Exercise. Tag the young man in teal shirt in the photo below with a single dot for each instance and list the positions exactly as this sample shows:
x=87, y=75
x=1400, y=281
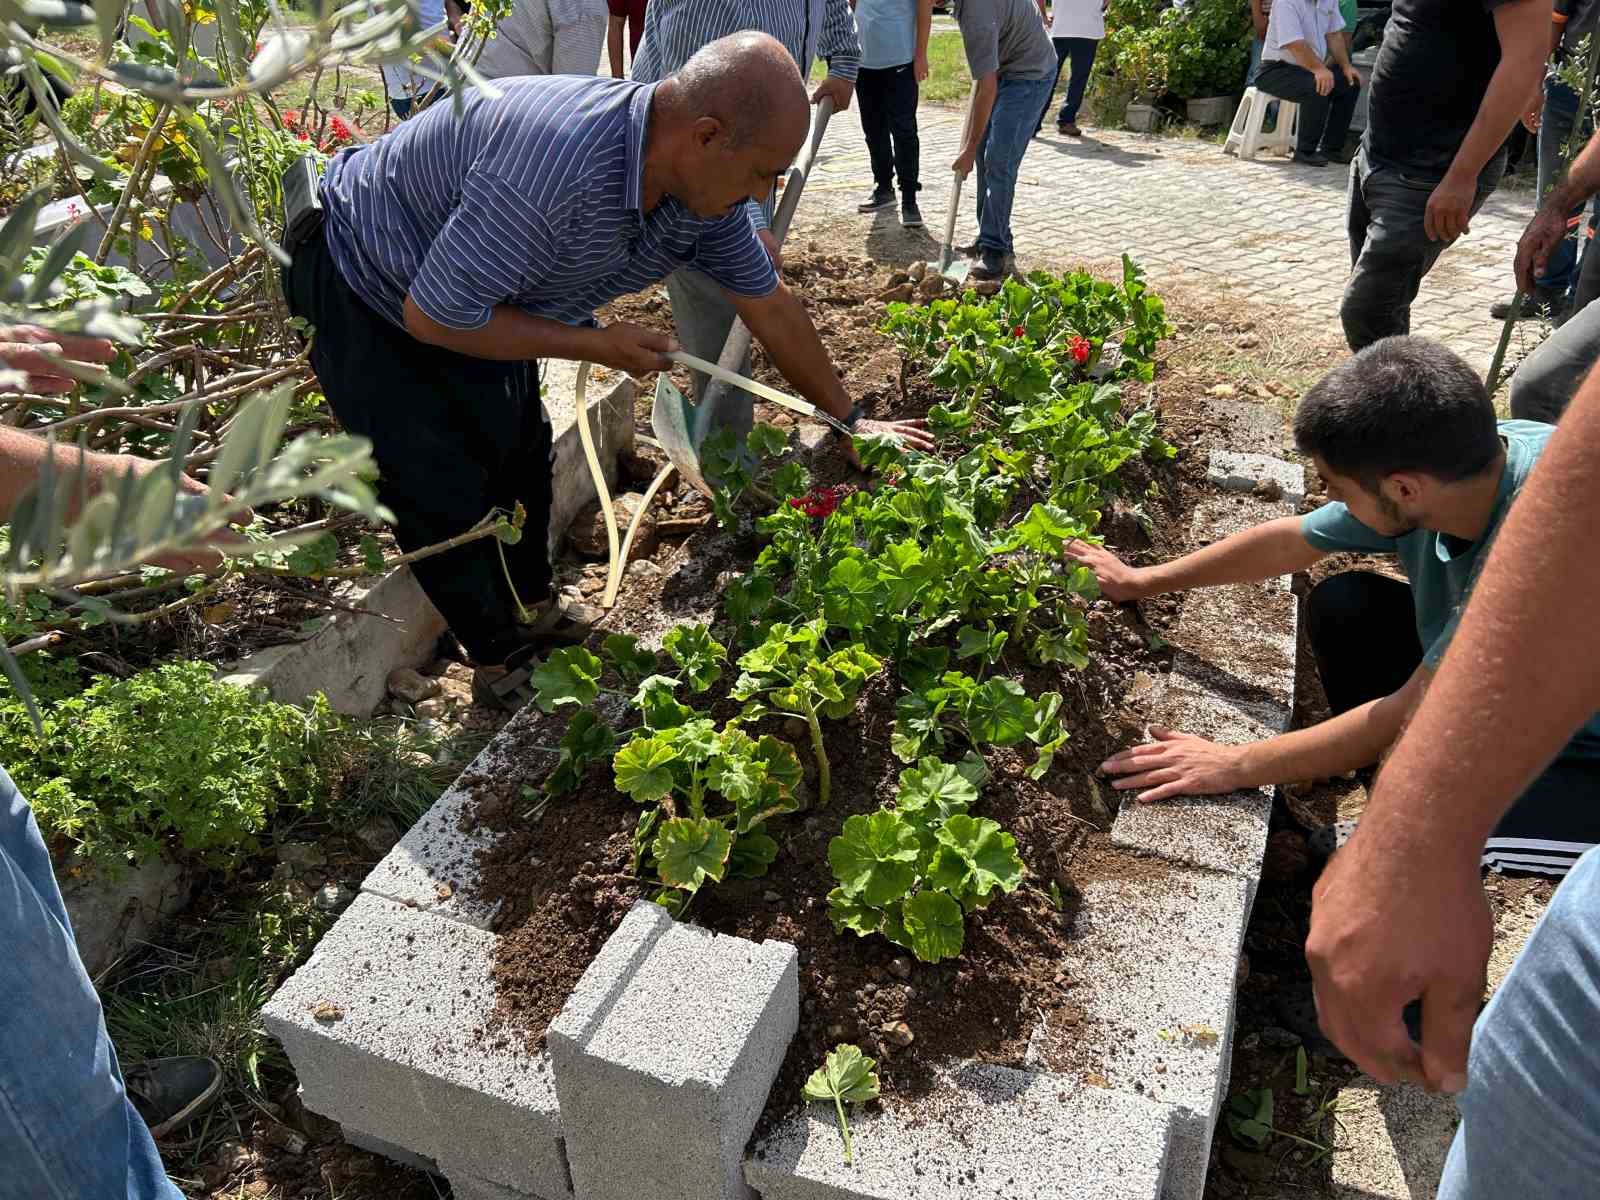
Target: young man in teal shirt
x=1416, y=465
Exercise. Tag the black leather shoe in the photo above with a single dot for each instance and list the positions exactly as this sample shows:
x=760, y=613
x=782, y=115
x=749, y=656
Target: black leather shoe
x=1311, y=160
x=171, y=1092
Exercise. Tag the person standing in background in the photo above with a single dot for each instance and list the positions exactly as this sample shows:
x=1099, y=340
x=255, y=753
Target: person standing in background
x=631, y=13
x=1260, y=17
x=547, y=37
x=407, y=90
x=894, y=60
x=1076, y=29
x=1294, y=67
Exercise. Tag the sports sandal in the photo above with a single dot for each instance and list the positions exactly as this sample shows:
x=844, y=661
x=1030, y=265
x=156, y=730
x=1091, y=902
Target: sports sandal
x=560, y=621
x=510, y=687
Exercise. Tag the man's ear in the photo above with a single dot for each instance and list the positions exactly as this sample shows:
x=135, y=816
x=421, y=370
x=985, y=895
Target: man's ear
x=1405, y=487
x=707, y=132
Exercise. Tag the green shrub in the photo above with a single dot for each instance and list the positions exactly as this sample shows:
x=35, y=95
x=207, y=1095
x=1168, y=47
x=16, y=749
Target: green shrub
x=169, y=753
x=1208, y=47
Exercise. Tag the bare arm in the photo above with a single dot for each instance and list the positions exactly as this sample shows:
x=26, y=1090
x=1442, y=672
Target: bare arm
x=1275, y=548
x=1302, y=53
x=924, y=31
x=614, y=32
x=512, y=334
x=1258, y=18
x=982, y=106
x=783, y=327
x=1549, y=224
x=1339, y=48
x=1522, y=26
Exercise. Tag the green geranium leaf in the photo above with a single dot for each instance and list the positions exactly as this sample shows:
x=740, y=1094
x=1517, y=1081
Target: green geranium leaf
x=875, y=856
x=747, y=597
x=753, y=853
x=790, y=480
x=766, y=441
x=689, y=851
x=988, y=850
x=632, y=661
x=933, y=925
x=656, y=701
x=699, y=654
x=643, y=769
x=696, y=741
x=998, y=712
x=986, y=643
x=850, y=597
x=935, y=790
x=848, y=912
x=587, y=738
x=643, y=838
x=570, y=675
x=916, y=728
x=921, y=668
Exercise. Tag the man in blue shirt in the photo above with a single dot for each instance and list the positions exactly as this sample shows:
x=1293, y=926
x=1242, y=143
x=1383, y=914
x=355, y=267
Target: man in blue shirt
x=1406, y=441
x=456, y=251
x=894, y=60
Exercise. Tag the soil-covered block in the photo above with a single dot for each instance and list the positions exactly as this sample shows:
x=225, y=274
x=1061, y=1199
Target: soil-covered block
x=678, y=1034
x=1226, y=513
x=388, y=1027
x=1224, y=833
x=1246, y=634
x=987, y=1133
x=1245, y=472
x=1154, y=964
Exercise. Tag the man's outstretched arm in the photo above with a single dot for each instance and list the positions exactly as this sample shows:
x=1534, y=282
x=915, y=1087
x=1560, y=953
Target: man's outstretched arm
x=1271, y=549
x=1400, y=912
x=1549, y=224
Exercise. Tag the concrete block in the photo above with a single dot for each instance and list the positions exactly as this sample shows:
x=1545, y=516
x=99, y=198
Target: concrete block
x=111, y=913
x=1154, y=963
x=350, y=657
x=464, y=1187
x=609, y=396
x=389, y=1029
x=376, y=1145
x=1237, y=472
x=1216, y=517
x=985, y=1133
x=676, y=1035
x=1246, y=633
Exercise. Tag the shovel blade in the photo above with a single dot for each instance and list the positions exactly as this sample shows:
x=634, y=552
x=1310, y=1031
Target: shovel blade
x=674, y=421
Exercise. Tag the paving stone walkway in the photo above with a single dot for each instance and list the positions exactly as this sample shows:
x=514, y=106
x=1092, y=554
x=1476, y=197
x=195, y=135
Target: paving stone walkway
x=1266, y=230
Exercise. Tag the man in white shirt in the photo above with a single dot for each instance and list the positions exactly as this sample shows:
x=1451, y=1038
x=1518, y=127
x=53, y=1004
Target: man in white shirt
x=1300, y=35
x=1076, y=28
x=547, y=37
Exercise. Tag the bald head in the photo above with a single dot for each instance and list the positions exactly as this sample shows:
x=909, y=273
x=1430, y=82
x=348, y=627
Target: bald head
x=750, y=84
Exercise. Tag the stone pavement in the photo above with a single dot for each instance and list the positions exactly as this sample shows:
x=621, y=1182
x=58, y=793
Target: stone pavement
x=1266, y=231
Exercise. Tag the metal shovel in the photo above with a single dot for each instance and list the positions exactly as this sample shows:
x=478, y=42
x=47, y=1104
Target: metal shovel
x=957, y=272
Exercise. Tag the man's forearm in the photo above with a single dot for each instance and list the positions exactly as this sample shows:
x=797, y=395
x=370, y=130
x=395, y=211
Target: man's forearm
x=1301, y=53
x=1354, y=739
x=982, y=106
x=1339, y=47
x=780, y=323
x=511, y=335
x=1581, y=181
x=22, y=457
x=1275, y=548
x=1524, y=665
x=1511, y=89
x=614, y=46
x=924, y=26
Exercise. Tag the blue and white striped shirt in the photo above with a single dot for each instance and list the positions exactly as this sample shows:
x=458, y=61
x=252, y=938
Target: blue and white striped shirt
x=531, y=200
x=808, y=29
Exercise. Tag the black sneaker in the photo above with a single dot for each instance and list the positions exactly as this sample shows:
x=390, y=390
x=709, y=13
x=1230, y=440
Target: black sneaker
x=1542, y=305
x=990, y=265
x=881, y=199
x=910, y=214
x=171, y=1092
x=1313, y=159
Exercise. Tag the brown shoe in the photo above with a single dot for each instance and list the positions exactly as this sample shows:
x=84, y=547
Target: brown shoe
x=1069, y=129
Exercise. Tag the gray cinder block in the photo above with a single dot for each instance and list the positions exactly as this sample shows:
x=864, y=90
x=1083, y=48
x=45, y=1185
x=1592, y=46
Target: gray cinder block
x=675, y=1036
x=985, y=1133
x=1243, y=472
x=389, y=1029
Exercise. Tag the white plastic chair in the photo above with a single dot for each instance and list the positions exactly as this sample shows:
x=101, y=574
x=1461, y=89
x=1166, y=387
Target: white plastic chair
x=1246, y=138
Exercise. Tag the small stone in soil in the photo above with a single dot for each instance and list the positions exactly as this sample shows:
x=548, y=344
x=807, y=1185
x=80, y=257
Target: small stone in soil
x=378, y=836
x=411, y=686
x=900, y=967
x=1279, y=1038
x=897, y=1035
x=331, y=896
x=286, y=1139
x=773, y=898
x=232, y=1156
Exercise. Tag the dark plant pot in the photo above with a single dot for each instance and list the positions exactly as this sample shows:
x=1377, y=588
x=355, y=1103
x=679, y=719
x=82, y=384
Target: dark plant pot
x=1211, y=110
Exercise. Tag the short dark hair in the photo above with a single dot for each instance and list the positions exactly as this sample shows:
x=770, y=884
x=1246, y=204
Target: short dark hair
x=1401, y=404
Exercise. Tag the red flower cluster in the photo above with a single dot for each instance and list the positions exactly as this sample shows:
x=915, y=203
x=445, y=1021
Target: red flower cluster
x=337, y=133
x=1080, y=348
x=821, y=501
x=1019, y=331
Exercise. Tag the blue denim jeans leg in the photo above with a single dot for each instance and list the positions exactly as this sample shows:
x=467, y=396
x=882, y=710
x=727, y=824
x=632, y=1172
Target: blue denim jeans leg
x=1017, y=104
x=67, y=1129
x=1257, y=45
x=1530, y=1117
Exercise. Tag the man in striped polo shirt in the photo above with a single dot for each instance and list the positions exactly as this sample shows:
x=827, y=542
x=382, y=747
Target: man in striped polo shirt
x=455, y=251
x=674, y=30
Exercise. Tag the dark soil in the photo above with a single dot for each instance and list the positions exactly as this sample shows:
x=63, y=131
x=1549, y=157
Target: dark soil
x=563, y=880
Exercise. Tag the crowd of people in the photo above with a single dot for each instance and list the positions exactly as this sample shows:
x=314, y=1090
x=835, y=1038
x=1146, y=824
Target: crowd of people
x=463, y=247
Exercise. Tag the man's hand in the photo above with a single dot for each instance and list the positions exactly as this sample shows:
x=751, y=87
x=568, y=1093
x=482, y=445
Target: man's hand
x=1534, y=117
x=25, y=347
x=839, y=89
x=965, y=162
x=1323, y=79
x=913, y=435
x=1393, y=921
x=633, y=348
x=774, y=251
x=1175, y=764
x=1258, y=21
x=1539, y=241
x=1351, y=75
x=1449, y=208
x=919, y=67
x=1118, y=581
x=204, y=558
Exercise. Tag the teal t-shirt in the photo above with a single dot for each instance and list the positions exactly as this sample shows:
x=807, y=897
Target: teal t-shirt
x=1440, y=568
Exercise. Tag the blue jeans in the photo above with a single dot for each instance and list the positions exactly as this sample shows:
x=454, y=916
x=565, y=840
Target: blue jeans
x=1559, y=124
x=1530, y=1117
x=1017, y=104
x=67, y=1129
x=1257, y=45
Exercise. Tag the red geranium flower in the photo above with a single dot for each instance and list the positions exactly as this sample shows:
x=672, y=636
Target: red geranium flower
x=1018, y=331
x=1080, y=349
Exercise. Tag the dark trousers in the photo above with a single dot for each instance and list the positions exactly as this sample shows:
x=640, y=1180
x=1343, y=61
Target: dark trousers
x=1081, y=52
x=1363, y=632
x=453, y=437
x=888, y=99
x=1324, y=120
x=1390, y=250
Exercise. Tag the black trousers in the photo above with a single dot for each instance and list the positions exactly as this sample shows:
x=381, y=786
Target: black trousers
x=1363, y=633
x=453, y=436
x=888, y=99
x=1324, y=120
